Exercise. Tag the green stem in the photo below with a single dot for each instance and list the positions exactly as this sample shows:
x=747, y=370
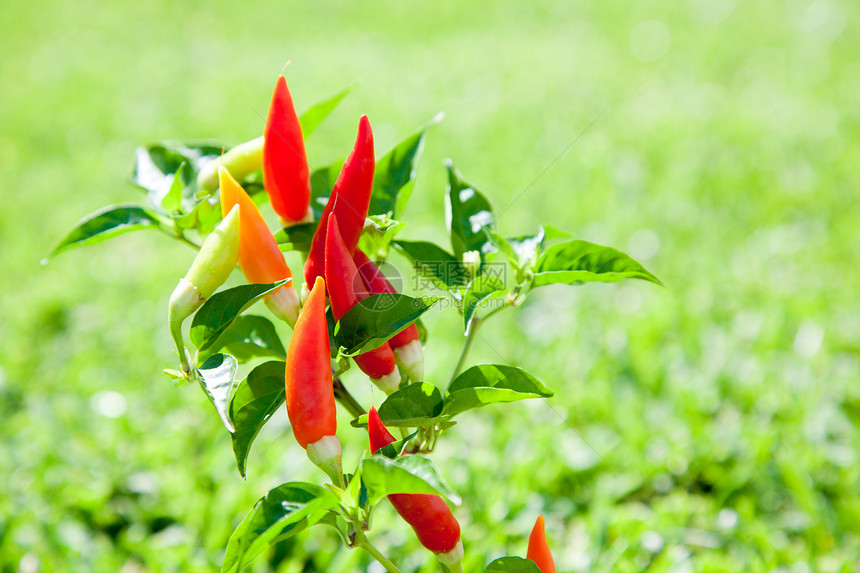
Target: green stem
x=473, y=328
x=361, y=541
x=342, y=395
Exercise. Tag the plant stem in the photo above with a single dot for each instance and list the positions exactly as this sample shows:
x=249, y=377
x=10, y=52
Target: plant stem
x=473, y=328
x=362, y=542
x=342, y=395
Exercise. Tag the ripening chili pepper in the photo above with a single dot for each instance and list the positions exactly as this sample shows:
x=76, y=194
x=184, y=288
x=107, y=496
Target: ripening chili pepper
x=211, y=267
x=285, y=163
x=430, y=517
x=346, y=289
x=351, y=192
x=308, y=383
x=539, y=548
x=260, y=258
x=406, y=345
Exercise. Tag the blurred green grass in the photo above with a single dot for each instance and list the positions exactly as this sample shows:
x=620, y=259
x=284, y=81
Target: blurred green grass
x=705, y=427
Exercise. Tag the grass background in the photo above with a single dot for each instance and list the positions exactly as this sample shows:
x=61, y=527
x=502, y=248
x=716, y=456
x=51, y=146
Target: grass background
x=708, y=426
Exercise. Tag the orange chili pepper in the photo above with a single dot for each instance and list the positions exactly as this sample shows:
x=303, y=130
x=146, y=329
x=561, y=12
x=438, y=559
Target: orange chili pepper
x=539, y=548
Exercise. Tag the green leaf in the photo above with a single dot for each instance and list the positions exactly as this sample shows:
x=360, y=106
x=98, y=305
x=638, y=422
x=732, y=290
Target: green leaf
x=284, y=511
x=377, y=318
x=576, y=261
x=416, y=405
x=105, y=223
x=481, y=289
x=322, y=183
x=512, y=565
x=395, y=449
x=434, y=263
x=379, y=231
x=491, y=384
x=168, y=173
x=467, y=213
x=216, y=377
x=250, y=337
x=408, y=474
x=203, y=215
x=312, y=117
x=296, y=237
x=255, y=400
x=218, y=313
x=394, y=176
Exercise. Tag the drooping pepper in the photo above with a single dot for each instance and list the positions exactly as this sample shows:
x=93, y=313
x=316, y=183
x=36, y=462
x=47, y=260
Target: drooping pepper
x=346, y=289
x=260, y=258
x=430, y=517
x=285, y=163
x=351, y=193
x=211, y=267
x=539, y=548
x=308, y=383
x=406, y=345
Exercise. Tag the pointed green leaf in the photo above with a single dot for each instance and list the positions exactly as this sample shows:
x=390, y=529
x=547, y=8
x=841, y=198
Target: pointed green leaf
x=255, y=400
x=416, y=405
x=512, y=565
x=576, y=261
x=284, y=511
x=218, y=313
x=312, y=117
x=491, y=384
x=296, y=237
x=377, y=318
x=468, y=213
x=250, y=337
x=394, y=176
x=105, y=223
x=216, y=377
x=379, y=231
x=434, y=263
x=408, y=474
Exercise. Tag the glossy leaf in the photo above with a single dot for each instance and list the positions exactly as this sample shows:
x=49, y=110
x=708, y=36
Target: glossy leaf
x=251, y=337
x=577, y=261
x=296, y=237
x=216, y=377
x=312, y=117
x=434, y=263
x=255, y=400
x=203, y=215
x=105, y=223
x=377, y=318
x=218, y=313
x=468, y=213
x=395, y=449
x=394, y=176
x=482, y=289
x=408, y=474
x=512, y=565
x=491, y=384
x=415, y=405
x=282, y=512
x=168, y=172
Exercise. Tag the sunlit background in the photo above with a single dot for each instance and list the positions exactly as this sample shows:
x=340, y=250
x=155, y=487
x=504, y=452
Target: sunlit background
x=708, y=426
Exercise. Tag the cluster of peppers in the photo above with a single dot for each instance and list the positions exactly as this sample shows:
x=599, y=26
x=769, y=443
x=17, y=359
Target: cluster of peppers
x=335, y=271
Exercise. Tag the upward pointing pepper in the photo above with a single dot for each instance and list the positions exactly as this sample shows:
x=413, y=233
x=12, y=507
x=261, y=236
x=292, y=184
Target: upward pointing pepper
x=308, y=384
x=405, y=344
x=351, y=193
x=211, y=267
x=430, y=517
x=260, y=258
x=285, y=163
x=346, y=289
x=539, y=548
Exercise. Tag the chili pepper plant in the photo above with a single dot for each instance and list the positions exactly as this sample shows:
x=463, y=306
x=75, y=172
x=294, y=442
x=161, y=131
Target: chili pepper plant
x=345, y=220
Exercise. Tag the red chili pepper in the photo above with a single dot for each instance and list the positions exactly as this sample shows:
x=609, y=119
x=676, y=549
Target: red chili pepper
x=346, y=289
x=308, y=383
x=285, y=163
x=352, y=194
x=539, y=548
x=406, y=345
x=430, y=517
x=260, y=258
